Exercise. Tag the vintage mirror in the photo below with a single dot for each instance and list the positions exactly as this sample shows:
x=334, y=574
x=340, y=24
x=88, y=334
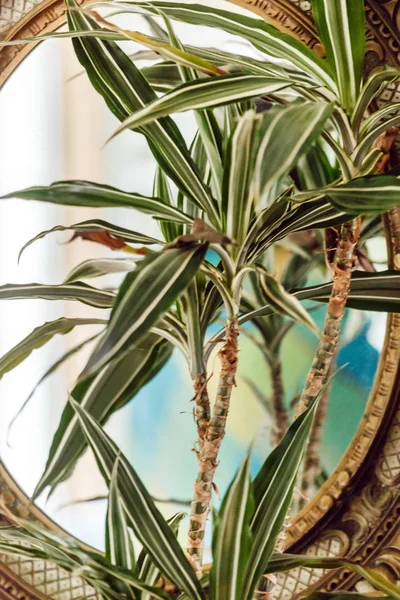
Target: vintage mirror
x=353, y=505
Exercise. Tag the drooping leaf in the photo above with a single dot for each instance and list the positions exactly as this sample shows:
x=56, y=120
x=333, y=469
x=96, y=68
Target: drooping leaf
x=263, y=36
x=157, y=282
x=146, y=521
x=78, y=291
x=38, y=338
x=96, y=227
x=375, y=125
x=232, y=538
x=96, y=267
x=114, y=387
x=285, y=303
x=299, y=125
x=86, y=193
x=341, y=26
x=205, y=93
x=125, y=91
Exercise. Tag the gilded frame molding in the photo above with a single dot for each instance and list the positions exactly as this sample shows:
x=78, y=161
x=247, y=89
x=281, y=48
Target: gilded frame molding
x=357, y=511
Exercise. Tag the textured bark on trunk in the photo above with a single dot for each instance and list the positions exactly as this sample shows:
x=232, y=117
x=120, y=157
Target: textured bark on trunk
x=202, y=409
x=208, y=455
x=281, y=416
x=342, y=269
x=312, y=464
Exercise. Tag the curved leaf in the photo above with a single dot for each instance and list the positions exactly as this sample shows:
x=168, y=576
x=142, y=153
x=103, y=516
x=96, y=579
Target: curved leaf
x=156, y=284
x=95, y=226
x=87, y=193
x=119, y=548
x=72, y=291
x=114, y=387
x=96, y=267
x=263, y=36
x=38, y=338
x=146, y=521
x=125, y=90
x=205, y=93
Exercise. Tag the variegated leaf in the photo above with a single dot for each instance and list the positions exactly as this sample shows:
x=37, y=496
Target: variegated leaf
x=114, y=387
x=205, y=93
x=81, y=292
x=146, y=521
x=156, y=283
x=86, y=193
x=39, y=337
x=341, y=25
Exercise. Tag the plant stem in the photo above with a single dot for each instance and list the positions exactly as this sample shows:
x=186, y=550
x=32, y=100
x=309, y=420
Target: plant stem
x=312, y=465
x=342, y=269
x=202, y=407
x=208, y=455
x=278, y=404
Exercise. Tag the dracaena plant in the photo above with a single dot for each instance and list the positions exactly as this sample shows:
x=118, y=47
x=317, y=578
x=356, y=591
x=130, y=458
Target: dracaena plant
x=280, y=149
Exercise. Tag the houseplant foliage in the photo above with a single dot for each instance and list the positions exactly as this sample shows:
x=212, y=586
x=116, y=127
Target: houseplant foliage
x=280, y=149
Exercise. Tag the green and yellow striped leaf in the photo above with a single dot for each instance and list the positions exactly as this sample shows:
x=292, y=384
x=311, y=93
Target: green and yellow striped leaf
x=119, y=548
x=146, y=521
x=341, y=25
x=238, y=189
x=38, y=338
x=273, y=489
x=263, y=36
x=232, y=539
x=97, y=267
x=287, y=133
x=114, y=387
x=81, y=292
x=205, y=93
x=86, y=193
x=285, y=303
x=125, y=90
x=156, y=283
x=94, y=226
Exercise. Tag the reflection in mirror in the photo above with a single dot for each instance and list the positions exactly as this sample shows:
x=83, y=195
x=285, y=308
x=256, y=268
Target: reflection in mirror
x=54, y=126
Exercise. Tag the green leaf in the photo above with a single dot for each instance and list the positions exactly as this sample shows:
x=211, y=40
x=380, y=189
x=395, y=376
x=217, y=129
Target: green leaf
x=205, y=93
x=86, y=193
x=114, y=387
x=341, y=25
x=125, y=91
x=299, y=126
x=78, y=291
x=119, y=548
x=146, y=521
x=285, y=303
x=232, y=539
x=263, y=36
x=38, y=338
x=366, y=195
x=147, y=570
x=96, y=226
x=96, y=267
x=238, y=189
x=273, y=489
x=49, y=372
x=157, y=283
x=373, y=86
x=373, y=127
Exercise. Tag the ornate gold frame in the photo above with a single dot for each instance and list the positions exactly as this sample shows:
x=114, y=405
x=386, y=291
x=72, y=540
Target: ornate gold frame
x=357, y=511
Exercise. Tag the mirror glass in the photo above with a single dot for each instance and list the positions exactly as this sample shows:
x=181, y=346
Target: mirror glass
x=54, y=127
